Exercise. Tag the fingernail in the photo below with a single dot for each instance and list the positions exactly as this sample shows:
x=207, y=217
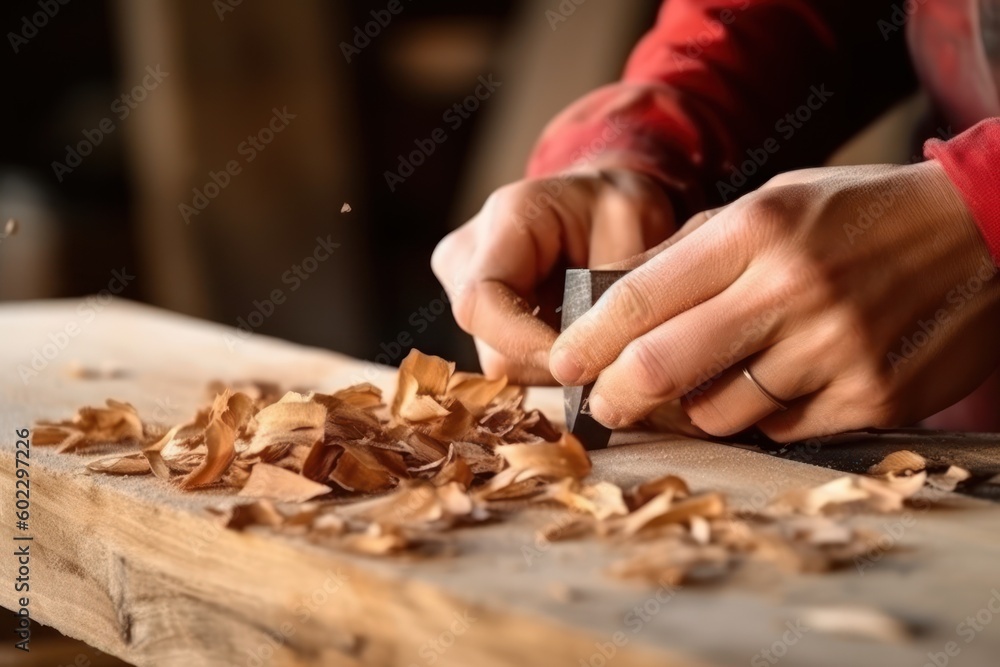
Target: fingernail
x=603, y=412
x=564, y=366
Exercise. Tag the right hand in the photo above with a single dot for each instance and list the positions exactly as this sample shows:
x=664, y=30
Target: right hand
x=509, y=260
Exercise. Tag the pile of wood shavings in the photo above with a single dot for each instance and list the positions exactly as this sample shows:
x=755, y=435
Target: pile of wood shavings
x=456, y=449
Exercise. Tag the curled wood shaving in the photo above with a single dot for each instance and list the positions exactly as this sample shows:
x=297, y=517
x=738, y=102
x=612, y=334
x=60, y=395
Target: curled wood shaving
x=116, y=424
x=229, y=415
x=859, y=622
x=886, y=494
x=442, y=427
x=899, y=463
x=663, y=510
x=130, y=464
x=564, y=458
x=455, y=449
x=268, y=481
x=292, y=421
x=815, y=500
x=602, y=500
x=949, y=478
x=642, y=493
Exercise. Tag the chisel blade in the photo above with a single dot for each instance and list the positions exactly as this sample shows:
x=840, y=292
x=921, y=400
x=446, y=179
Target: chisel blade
x=583, y=288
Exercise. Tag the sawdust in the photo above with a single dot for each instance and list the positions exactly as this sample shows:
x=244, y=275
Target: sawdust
x=455, y=449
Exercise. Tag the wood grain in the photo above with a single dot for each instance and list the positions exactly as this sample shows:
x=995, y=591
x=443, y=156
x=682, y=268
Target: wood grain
x=141, y=571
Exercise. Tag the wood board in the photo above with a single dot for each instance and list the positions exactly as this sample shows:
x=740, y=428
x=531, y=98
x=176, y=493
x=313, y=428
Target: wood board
x=141, y=571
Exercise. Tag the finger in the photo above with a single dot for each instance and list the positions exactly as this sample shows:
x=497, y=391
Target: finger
x=495, y=365
x=449, y=260
x=732, y=402
x=686, y=352
x=691, y=225
x=625, y=199
x=498, y=316
x=615, y=234
x=524, y=231
x=819, y=415
x=697, y=220
x=491, y=266
x=491, y=310
x=685, y=274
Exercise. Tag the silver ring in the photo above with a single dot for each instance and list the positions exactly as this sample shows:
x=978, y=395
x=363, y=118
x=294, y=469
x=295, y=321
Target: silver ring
x=764, y=392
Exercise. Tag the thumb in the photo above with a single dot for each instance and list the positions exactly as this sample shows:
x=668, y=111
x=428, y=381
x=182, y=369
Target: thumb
x=691, y=225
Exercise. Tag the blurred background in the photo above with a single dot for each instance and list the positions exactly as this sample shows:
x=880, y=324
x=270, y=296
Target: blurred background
x=203, y=146
x=123, y=116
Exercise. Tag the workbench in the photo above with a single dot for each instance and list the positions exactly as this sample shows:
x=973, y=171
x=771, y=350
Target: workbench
x=144, y=571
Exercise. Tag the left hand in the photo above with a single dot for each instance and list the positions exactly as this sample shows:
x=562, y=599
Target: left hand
x=856, y=296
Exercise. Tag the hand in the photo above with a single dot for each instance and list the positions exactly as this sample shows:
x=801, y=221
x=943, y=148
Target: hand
x=511, y=257
x=857, y=296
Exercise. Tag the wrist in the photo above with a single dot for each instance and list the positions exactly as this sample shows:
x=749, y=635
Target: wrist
x=953, y=215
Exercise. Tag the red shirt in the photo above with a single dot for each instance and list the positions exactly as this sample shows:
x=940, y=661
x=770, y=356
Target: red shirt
x=722, y=94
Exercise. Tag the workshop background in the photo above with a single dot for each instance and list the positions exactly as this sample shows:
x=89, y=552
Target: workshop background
x=122, y=117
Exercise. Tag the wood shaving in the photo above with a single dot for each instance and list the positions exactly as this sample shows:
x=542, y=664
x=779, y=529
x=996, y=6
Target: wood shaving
x=857, y=622
x=899, y=463
x=11, y=227
x=642, y=493
x=116, y=424
x=455, y=449
x=602, y=500
x=268, y=481
x=132, y=464
x=949, y=478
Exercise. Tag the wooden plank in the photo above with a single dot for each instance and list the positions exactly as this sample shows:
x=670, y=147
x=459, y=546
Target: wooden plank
x=139, y=570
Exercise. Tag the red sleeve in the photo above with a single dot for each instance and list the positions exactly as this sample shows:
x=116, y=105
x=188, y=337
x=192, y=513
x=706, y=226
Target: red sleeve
x=972, y=162
x=721, y=94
